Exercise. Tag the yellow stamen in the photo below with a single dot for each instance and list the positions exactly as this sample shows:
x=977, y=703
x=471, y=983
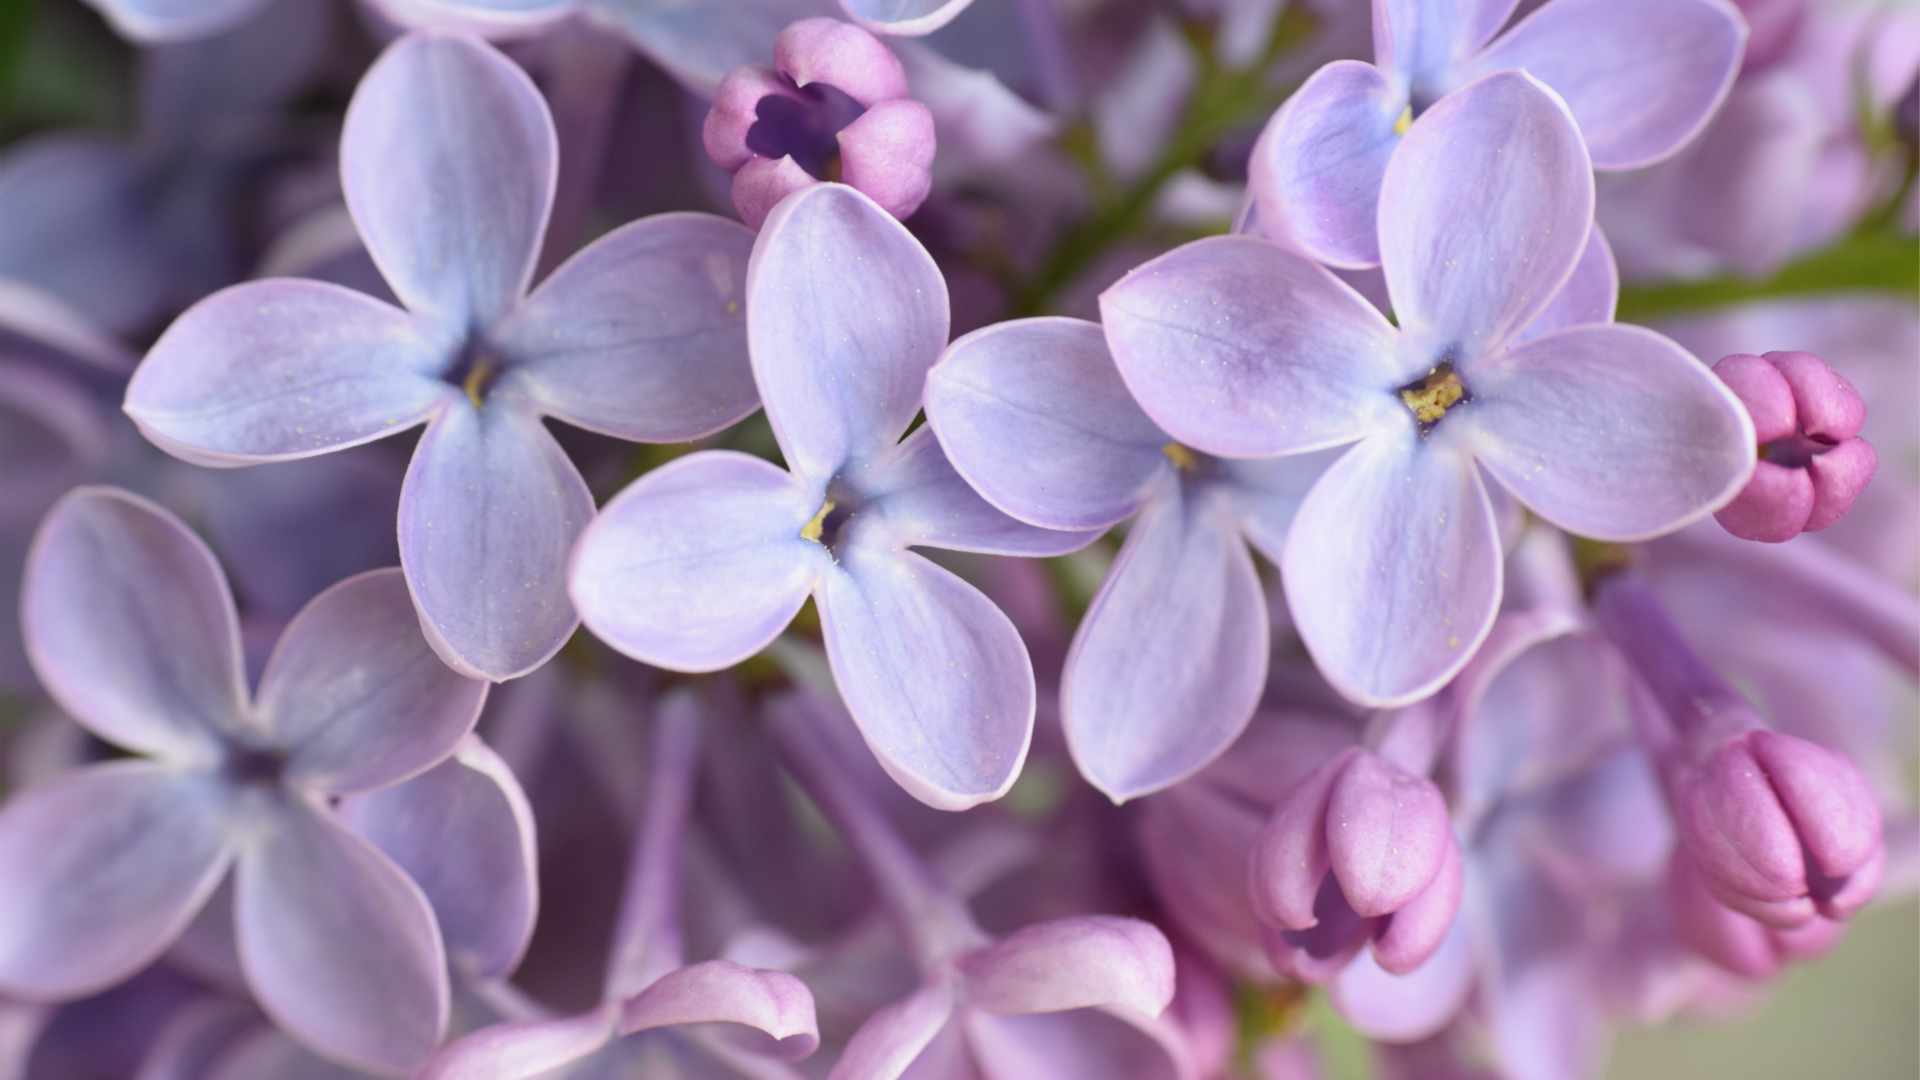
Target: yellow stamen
x=1401, y=125
x=1437, y=393
x=476, y=382
x=818, y=524
x=1181, y=457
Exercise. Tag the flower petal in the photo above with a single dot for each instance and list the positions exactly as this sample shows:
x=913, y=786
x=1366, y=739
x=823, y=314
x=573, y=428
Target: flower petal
x=1036, y=417
x=524, y=1049
x=1605, y=57
x=700, y=563
x=78, y=227
x=1484, y=212
x=721, y=991
x=907, y=18
x=130, y=626
x=488, y=513
x=933, y=673
x=919, y=500
x=152, y=22
x=889, y=1041
x=1240, y=349
x=104, y=867
x=448, y=161
x=356, y=696
x=1084, y=1044
x=1612, y=432
x=340, y=947
x=463, y=831
x=1171, y=657
x=1410, y=1007
x=1072, y=963
x=642, y=335
x=1421, y=42
x=698, y=44
x=1392, y=567
x=285, y=368
x=51, y=434
x=1316, y=170
x=845, y=313
x=1588, y=297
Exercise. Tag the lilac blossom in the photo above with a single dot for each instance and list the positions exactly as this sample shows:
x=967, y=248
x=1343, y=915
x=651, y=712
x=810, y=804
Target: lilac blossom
x=701, y=563
x=448, y=163
x=132, y=630
x=1392, y=564
x=833, y=106
x=1639, y=80
x=1813, y=464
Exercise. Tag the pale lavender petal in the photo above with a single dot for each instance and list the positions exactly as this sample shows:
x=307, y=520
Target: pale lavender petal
x=1588, y=296
x=41, y=319
x=1484, y=212
x=908, y=18
x=698, y=44
x=845, y=313
x=356, y=696
x=982, y=123
x=1316, y=170
x=130, y=626
x=195, y=1039
x=1072, y=963
x=1606, y=57
x=1422, y=42
x=699, y=564
x=1612, y=432
x=155, y=21
x=341, y=949
x=1267, y=492
x=1084, y=1044
x=721, y=991
x=524, y=1049
x=266, y=1052
x=1238, y=348
x=488, y=514
x=447, y=123
x=934, y=674
x=1035, y=416
x=463, y=831
x=1410, y=1007
x=889, y=1041
x=1392, y=567
x=919, y=500
x=643, y=335
x=104, y=867
x=1171, y=657
x=287, y=368
x=490, y=19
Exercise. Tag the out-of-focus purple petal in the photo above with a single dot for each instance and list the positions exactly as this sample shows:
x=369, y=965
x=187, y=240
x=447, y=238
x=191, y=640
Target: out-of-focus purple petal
x=1240, y=349
x=934, y=674
x=1420, y=42
x=78, y=227
x=889, y=1041
x=1588, y=296
x=907, y=18
x=51, y=435
x=490, y=19
x=1035, y=416
x=921, y=500
x=43, y=319
x=1316, y=170
x=523, y=1049
x=1612, y=432
x=151, y=22
x=846, y=311
x=1392, y=568
x=267, y=1052
x=700, y=563
x=1505, y=155
x=643, y=334
x=698, y=44
x=1083, y=1044
x=1171, y=657
x=982, y=123
x=488, y=515
x=1410, y=1007
x=1072, y=963
x=130, y=627
x=447, y=123
x=340, y=947
x=463, y=831
x=721, y=991
x=104, y=868
x=356, y=696
x=1266, y=492
x=197, y=90
x=1605, y=57
x=287, y=368
x=197, y=1037
x=888, y=154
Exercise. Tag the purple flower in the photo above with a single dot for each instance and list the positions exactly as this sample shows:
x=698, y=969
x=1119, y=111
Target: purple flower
x=1392, y=564
x=1813, y=464
x=833, y=106
x=1640, y=78
x=448, y=163
x=132, y=631
x=701, y=563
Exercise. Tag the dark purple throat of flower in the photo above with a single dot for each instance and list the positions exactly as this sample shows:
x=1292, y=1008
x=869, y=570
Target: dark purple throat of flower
x=475, y=372
x=829, y=526
x=1430, y=396
x=253, y=766
x=805, y=128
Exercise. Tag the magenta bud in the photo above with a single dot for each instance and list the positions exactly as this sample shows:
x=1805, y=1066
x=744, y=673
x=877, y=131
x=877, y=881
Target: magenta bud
x=1779, y=827
x=832, y=107
x=1813, y=464
x=1749, y=949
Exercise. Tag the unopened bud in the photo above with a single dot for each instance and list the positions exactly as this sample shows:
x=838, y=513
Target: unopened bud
x=1813, y=464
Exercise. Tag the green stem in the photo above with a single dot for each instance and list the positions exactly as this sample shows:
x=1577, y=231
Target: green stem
x=1880, y=261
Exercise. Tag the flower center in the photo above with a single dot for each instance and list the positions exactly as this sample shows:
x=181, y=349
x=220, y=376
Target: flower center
x=250, y=766
x=1181, y=457
x=1430, y=396
x=1796, y=451
x=475, y=372
x=829, y=525
x=805, y=128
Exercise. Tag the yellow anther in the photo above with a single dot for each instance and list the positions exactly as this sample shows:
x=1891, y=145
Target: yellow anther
x=1434, y=395
x=1181, y=457
x=1401, y=125
x=818, y=524
x=476, y=382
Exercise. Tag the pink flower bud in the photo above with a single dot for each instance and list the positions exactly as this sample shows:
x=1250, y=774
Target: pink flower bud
x=1813, y=464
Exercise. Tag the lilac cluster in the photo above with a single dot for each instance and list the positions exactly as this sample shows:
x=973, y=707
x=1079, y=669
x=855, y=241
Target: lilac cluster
x=993, y=539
